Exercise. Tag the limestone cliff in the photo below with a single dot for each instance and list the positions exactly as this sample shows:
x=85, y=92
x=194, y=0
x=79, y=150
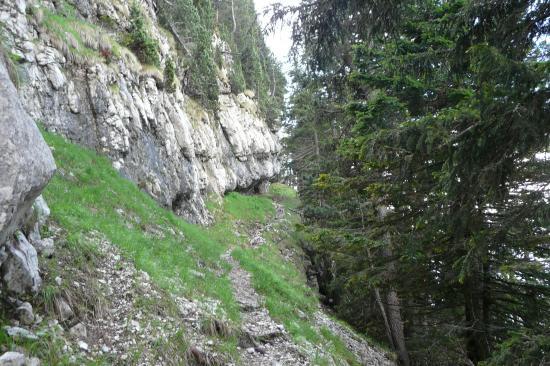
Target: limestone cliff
x=81, y=83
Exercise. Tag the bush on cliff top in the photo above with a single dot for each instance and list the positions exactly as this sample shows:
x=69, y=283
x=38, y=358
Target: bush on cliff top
x=139, y=40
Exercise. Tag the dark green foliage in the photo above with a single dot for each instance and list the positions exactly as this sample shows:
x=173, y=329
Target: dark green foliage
x=192, y=24
x=440, y=119
x=170, y=76
x=202, y=76
x=139, y=39
x=254, y=66
x=238, y=85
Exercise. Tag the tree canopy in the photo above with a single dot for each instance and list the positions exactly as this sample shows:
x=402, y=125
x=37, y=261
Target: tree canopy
x=419, y=133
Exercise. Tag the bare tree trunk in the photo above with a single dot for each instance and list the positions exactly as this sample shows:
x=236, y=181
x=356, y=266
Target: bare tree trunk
x=317, y=150
x=377, y=296
x=477, y=341
x=233, y=16
x=392, y=302
x=396, y=326
x=274, y=82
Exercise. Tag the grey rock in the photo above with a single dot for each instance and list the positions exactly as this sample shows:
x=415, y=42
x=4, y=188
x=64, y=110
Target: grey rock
x=21, y=6
x=263, y=187
x=83, y=345
x=79, y=331
x=37, y=218
x=83, y=7
x=45, y=247
x=25, y=314
x=257, y=241
x=47, y=56
x=3, y=255
x=63, y=309
x=41, y=211
x=27, y=163
x=12, y=359
x=33, y=361
x=18, y=332
x=196, y=273
x=55, y=76
x=20, y=269
x=73, y=98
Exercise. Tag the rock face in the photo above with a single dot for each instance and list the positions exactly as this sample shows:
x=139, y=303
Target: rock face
x=26, y=163
x=171, y=147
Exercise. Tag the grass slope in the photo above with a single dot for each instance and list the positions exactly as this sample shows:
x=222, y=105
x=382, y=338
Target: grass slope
x=88, y=196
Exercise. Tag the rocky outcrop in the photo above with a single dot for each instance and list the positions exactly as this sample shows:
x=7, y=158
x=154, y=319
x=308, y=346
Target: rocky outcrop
x=165, y=142
x=25, y=168
x=26, y=164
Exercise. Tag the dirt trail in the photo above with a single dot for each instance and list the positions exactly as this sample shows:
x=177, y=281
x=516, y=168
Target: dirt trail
x=266, y=342
x=263, y=341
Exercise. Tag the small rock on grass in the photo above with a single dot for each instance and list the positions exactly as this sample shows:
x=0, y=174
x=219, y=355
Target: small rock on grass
x=17, y=332
x=83, y=345
x=79, y=331
x=25, y=314
x=12, y=359
x=33, y=361
x=63, y=309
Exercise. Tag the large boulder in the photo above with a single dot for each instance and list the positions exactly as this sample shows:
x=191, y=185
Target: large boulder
x=26, y=165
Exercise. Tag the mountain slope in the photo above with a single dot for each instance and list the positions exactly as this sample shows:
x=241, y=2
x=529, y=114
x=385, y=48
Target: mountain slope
x=149, y=288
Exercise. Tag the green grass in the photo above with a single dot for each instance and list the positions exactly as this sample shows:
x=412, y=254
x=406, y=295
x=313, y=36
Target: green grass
x=82, y=40
x=247, y=208
x=87, y=196
x=282, y=283
x=48, y=348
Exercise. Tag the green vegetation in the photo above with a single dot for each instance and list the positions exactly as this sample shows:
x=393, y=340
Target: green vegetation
x=415, y=128
x=192, y=24
x=49, y=349
x=139, y=40
x=90, y=201
x=254, y=66
x=92, y=196
x=80, y=41
x=170, y=76
x=190, y=27
x=9, y=59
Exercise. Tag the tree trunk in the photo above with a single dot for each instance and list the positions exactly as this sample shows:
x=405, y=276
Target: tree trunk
x=392, y=301
x=475, y=312
x=317, y=150
x=396, y=326
x=233, y=16
x=377, y=295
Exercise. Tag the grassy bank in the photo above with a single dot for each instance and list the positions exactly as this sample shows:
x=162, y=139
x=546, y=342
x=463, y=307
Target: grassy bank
x=87, y=198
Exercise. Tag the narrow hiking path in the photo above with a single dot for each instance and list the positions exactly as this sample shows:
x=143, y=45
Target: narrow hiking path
x=363, y=351
x=266, y=342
